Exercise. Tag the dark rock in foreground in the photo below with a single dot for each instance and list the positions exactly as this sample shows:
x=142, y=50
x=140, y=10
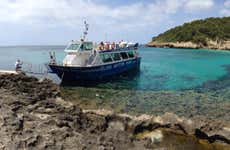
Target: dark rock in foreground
x=33, y=116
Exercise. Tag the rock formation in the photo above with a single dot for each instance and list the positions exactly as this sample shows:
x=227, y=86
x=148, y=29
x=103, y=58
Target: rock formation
x=224, y=45
x=34, y=116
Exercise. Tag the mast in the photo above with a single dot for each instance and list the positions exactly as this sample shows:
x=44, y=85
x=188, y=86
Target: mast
x=85, y=31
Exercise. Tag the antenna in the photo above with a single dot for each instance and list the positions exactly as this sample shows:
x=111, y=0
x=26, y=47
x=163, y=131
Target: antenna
x=86, y=30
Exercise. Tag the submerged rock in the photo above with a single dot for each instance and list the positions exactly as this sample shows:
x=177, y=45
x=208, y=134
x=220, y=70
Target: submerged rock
x=33, y=116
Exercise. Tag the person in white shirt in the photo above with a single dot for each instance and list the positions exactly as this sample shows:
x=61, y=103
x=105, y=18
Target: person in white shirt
x=18, y=65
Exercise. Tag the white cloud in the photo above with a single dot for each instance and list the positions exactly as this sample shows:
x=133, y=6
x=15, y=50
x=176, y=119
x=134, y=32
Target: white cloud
x=227, y=3
x=198, y=5
x=126, y=18
x=72, y=12
x=118, y=21
x=226, y=10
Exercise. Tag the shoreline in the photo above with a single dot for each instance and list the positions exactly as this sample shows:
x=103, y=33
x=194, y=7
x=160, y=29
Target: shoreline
x=34, y=116
x=189, y=45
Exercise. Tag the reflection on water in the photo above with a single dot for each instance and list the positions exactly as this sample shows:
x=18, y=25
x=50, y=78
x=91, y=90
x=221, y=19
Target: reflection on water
x=120, y=81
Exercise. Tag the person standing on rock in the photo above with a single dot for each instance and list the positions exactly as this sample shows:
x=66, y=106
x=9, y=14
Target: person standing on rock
x=18, y=65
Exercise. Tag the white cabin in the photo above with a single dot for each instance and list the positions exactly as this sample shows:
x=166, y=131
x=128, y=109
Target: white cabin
x=86, y=54
x=78, y=53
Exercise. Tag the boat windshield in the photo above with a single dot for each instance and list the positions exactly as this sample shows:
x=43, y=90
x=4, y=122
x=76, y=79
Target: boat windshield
x=87, y=46
x=73, y=47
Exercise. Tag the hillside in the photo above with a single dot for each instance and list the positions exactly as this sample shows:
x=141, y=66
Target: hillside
x=211, y=33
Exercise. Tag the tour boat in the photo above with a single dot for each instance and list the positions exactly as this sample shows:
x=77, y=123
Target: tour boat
x=84, y=61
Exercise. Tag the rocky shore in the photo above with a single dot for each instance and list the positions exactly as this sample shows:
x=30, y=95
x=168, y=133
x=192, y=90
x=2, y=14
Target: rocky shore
x=34, y=116
x=224, y=45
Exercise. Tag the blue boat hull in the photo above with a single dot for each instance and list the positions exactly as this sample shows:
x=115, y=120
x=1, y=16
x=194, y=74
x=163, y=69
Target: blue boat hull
x=95, y=73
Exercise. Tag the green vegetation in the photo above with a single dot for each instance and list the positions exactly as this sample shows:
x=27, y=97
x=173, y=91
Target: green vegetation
x=198, y=31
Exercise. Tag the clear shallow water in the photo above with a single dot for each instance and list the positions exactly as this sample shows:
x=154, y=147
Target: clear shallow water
x=183, y=81
x=161, y=69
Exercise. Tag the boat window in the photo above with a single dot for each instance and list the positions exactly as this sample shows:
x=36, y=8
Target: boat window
x=116, y=56
x=124, y=55
x=73, y=47
x=106, y=58
x=130, y=54
x=88, y=46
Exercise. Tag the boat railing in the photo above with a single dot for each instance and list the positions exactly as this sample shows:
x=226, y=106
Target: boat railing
x=119, y=49
x=37, y=69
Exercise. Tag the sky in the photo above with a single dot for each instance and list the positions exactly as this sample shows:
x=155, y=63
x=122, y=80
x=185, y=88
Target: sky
x=56, y=22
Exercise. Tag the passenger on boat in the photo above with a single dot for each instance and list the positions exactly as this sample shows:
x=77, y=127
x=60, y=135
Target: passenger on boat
x=18, y=65
x=101, y=46
x=113, y=45
x=107, y=45
x=123, y=44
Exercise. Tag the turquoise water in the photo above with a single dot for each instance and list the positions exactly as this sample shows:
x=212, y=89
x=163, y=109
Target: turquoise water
x=180, y=68
x=187, y=82
x=161, y=69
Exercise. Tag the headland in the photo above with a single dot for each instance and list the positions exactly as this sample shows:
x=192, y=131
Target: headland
x=210, y=33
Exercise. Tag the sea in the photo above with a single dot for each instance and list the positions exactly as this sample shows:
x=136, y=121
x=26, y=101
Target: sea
x=187, y=82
